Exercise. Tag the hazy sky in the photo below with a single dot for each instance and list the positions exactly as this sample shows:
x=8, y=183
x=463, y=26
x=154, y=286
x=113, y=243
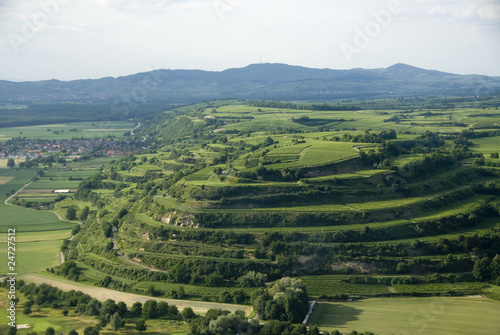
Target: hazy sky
x=72, y=39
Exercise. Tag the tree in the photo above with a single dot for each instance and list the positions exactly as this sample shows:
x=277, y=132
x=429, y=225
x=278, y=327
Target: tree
x=152, y=291
x=481, y=270
x=268, y=141
x=109, y=307
x=136, y=308
x=252, y=279
x=495, y=268
x=188, y=313
x=65, y=312
x=122, y=308
x=84, y=213
x=11, y=163
x=12, y=331
x=104, y=320
x=313, y=330
x=286, y=300
x=162, y=309
x=90, y=331
x=228, y=325
x=150, y=309
x=71, y=213
x=140, y=325
x=116, y=321
x=73, y=332
x=50, y=331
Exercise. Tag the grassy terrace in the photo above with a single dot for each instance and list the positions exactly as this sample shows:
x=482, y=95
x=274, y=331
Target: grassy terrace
x=454, y=209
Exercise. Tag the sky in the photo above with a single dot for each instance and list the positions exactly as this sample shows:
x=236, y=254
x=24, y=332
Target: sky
x=83, y=39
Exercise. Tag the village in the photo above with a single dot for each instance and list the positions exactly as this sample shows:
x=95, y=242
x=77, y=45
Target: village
x=75, y=148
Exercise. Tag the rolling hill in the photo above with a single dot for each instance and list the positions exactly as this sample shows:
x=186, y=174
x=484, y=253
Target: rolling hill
x=256, y=81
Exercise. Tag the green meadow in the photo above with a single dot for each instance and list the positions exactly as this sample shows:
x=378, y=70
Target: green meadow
x=386, y=316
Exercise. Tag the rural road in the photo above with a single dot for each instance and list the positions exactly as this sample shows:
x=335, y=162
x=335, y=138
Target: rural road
x=12, y=196
x=102, y=294
x=22, y=188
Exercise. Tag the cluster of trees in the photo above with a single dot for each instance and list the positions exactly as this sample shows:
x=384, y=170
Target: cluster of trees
x=429, y=164
x=73, y=214
x=368, y=137
x=286, y=300
x=108, y=313
x=70, y=270
x=287, y=293
x=486, y=269
x=252, y=279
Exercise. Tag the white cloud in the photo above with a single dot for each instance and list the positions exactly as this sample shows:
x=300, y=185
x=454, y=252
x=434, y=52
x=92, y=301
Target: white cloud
x=490, y=11
x=438, y=10
x=118, y=37
x=484, y=9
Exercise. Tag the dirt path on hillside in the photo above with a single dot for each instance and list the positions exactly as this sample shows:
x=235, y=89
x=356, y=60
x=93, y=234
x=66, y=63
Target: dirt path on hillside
x=102, y=294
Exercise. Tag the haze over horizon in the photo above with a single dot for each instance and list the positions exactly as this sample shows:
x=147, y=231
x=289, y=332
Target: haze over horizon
x=68, y=40
x=246, y=66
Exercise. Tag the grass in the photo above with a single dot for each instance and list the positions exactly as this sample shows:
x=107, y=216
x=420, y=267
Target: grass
x=35, y=255
x=486, y=145
x=320, y=153
x=436, y=315
x=30, y=220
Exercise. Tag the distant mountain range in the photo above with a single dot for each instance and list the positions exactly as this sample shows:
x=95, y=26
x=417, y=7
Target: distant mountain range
x=257, y=81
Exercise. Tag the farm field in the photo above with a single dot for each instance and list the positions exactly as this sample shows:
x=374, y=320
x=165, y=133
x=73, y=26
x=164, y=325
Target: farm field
x=68, y=130
x=487, y=145
x=437, y=315
x=39, y=234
